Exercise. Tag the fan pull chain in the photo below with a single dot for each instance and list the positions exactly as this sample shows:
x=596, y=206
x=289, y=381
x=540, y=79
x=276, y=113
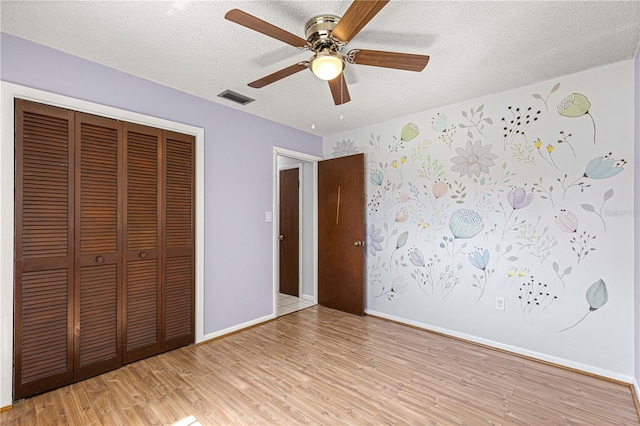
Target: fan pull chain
x=341, y=95
x=313, y=96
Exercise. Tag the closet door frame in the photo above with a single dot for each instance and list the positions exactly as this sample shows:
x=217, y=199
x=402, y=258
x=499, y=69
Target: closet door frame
x=8, y=93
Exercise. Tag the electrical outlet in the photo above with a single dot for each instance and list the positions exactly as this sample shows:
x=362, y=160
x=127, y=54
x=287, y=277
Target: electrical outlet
x=268, y=217
x=500, y=303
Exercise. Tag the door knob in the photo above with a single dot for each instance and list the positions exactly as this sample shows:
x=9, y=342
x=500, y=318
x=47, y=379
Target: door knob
x=281, y=237
x=357, y=243
x=100, y=259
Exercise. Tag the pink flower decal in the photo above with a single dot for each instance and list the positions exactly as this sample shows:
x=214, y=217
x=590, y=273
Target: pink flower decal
x=567, y=221
x=402, y=215
x=439, y=189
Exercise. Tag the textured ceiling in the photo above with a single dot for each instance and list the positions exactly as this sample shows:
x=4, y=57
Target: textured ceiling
x=476, y=48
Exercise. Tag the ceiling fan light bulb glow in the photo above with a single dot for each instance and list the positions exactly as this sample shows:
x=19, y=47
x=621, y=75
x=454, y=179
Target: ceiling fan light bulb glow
x=327, y=65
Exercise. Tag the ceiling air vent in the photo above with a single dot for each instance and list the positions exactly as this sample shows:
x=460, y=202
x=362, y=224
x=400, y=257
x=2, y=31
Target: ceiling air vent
x=236, y=97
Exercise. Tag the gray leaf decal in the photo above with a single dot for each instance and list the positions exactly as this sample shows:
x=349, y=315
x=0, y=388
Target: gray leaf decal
x=567, y=271
x=402, y=239
x=597, y=295
x=588, y=207
x=556, y=87
x=488, y=120
x=535, y=95
x=608, y=194
x=556, y=267
x=464, y=113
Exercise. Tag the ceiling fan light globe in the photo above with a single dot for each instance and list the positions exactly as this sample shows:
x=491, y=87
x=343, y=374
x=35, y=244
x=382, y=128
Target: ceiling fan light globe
x=327, y=66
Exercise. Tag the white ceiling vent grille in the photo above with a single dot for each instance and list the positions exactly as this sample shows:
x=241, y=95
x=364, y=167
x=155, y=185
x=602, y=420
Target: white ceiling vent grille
x=236, y=97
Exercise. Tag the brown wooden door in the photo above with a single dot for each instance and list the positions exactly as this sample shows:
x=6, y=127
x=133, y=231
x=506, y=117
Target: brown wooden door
x=98, y=254
x=43, y=308
x=341, y=207
x=289, y=232
x=179, y=269
x=142, y=234
x=104, y=247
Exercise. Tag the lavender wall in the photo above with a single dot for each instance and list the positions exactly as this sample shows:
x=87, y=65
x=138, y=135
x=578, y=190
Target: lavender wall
x=637, y=222
x=238, y=168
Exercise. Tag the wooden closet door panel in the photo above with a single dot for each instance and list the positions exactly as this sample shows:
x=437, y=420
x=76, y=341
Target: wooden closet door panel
x=43, y=309
x=143, y=222
x=98, y=245
x=179, y=277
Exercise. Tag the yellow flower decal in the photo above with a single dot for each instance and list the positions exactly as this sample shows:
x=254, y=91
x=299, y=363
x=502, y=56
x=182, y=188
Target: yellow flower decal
x=524, y=272
x=511, y=272
x=424, y=224
x=403, y=159
x=537, y=143
x=394, y=164
x=550, y=148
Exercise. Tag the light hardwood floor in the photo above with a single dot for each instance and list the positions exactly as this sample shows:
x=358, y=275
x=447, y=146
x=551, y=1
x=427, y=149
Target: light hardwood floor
x=322, y=366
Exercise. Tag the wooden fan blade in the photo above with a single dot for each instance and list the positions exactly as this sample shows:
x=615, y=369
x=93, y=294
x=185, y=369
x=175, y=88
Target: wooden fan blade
x=278, y=75
x=378, y=58
x=256, y=24
x=356, y=17
x=339, y=90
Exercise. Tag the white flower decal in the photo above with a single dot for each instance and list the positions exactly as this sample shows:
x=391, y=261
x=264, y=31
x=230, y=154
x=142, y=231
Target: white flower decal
x=473, y=159
x=343, y=148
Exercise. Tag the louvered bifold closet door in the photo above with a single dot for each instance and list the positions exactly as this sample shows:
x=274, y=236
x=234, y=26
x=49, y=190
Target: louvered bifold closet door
x=143, y=220
x=98, y=246
x=179, y=278
x=43, y=346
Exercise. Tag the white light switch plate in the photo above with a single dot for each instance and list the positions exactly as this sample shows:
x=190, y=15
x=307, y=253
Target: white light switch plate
x=268, y=216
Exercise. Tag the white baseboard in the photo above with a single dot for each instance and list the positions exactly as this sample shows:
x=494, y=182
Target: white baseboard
x=238, y=327
x=636, y=387
x=308, y=297
x=514, y=349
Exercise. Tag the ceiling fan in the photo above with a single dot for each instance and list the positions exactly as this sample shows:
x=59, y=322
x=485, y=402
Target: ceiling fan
x=326, y=36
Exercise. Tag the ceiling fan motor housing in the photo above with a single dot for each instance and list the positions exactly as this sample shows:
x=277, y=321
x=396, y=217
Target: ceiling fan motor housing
x=318, y=32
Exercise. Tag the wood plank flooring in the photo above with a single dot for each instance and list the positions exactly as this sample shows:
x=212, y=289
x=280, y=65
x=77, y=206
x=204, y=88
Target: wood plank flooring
x=320, y=366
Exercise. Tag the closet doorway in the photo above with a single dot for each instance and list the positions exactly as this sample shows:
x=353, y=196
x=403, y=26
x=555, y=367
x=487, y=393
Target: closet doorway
x=295, y=248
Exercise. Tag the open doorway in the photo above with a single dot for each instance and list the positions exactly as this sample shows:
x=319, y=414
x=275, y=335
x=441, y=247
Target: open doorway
x=295, y=231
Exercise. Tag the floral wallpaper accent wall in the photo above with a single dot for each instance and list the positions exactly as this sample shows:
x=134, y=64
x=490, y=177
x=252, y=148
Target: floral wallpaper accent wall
x=509, y=218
